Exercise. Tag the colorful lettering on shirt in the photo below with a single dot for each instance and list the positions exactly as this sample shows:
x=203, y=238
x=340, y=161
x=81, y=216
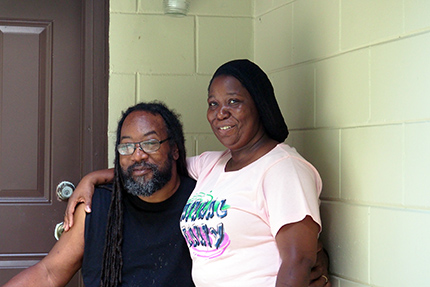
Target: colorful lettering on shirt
x=205, y=241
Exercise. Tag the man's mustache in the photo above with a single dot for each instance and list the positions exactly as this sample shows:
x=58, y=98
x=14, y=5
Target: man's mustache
x=151, y=166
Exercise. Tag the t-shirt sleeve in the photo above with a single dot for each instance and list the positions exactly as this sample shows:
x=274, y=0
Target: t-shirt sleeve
x=192, y=166
x=200, y=164
x=291, y=188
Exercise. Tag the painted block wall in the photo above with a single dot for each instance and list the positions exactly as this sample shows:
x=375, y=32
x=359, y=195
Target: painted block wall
x=158, y=57
x=352, y=78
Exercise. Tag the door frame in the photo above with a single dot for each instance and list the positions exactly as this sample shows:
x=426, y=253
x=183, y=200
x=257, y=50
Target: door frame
x=95, y=85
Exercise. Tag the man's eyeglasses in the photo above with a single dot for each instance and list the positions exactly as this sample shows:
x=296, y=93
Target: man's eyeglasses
x=149, y=146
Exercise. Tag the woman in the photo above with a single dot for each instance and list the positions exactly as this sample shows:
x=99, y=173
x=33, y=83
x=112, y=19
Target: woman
x=253, y=218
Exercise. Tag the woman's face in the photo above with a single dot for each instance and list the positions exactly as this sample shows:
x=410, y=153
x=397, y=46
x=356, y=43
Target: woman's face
x=232, y=113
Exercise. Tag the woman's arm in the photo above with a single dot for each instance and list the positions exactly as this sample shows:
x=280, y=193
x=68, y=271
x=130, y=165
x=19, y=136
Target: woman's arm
x=298, y=246
x=84, y=193
x=320, y=272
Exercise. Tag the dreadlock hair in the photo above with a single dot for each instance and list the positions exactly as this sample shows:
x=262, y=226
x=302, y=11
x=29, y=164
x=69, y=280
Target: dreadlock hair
x=256, y=82
x=112, y=255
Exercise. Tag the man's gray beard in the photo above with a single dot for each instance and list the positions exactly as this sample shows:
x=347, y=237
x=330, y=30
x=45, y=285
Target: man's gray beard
x=142, y=187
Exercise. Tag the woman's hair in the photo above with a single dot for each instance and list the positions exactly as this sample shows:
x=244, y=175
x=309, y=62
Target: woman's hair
x=256, y=82
x=112, y=257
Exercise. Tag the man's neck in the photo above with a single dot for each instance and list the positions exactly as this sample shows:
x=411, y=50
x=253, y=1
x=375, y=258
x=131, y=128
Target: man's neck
x=165, y=192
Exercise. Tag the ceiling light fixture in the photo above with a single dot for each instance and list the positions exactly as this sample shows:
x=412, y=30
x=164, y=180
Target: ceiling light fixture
x=176, y=7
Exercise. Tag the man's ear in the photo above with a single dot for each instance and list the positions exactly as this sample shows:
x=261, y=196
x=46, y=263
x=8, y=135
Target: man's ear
x=175, y=153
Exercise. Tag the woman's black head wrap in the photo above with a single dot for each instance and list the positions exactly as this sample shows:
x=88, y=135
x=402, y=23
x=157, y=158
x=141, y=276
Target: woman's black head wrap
x=255, y=80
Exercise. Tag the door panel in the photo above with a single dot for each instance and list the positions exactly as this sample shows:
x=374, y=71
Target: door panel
x=24, y=109
x=48, y=92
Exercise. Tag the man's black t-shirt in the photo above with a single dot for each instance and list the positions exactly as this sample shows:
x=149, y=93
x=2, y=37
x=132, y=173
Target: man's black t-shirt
x=154, y=250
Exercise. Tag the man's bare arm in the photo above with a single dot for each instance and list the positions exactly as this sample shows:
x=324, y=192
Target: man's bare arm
x=61, y=263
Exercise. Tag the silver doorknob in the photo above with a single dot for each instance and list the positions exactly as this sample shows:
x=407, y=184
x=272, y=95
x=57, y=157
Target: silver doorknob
x=65, y=190
x=59, y=229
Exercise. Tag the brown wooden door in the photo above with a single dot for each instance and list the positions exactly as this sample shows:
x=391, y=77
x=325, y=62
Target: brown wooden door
x=53, y=100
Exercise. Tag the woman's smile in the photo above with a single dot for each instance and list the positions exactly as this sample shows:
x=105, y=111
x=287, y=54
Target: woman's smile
x=225, y=128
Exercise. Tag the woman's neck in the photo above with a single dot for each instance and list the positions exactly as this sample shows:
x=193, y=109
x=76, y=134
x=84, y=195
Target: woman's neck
x=247, y=155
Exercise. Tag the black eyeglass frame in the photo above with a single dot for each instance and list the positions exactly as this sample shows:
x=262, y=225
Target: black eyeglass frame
x=141, y=145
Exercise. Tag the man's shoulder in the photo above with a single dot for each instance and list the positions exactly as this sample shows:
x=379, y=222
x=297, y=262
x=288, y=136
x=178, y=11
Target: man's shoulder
x=102, y=194
x=187, y=185
x=188, y=182
x=104, y=188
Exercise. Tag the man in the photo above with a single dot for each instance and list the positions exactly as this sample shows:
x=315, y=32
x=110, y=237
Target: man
x=136, y=241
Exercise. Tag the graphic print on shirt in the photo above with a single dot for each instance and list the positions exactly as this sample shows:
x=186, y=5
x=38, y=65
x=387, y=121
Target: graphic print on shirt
x=205, y=234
